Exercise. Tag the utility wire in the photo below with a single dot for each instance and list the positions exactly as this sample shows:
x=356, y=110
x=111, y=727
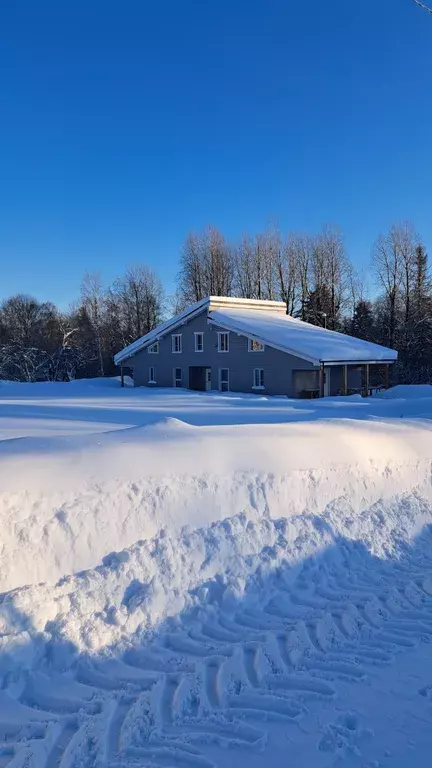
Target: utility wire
x=422, y=5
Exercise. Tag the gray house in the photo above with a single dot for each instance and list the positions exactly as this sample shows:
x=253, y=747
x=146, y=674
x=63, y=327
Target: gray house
x=243, y=345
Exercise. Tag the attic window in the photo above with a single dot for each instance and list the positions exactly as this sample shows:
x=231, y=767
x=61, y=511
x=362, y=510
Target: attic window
x=255, y=346
x=154, y=348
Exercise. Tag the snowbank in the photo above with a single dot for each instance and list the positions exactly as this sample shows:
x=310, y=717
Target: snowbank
x=408, y=392
x=262, y=589
x=110, y=481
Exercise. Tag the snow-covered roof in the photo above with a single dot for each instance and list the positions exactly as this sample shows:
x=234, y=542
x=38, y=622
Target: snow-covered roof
x=268, y=322
x=318, y=345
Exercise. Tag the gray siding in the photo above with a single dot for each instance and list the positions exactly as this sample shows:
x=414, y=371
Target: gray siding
x=278, y=366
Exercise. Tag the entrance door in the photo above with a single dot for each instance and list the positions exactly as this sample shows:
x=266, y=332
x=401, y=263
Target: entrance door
x=327, y=378
x=208, y=379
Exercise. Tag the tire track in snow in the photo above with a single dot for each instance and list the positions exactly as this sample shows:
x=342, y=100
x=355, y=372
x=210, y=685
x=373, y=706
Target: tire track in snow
x=218, y=680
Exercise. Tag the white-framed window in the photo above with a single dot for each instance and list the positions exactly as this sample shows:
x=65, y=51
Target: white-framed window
x=224, y=379
x=199, y=342
x=154, y=348
x=152, y=375
x=258, y=378
x=223, y=342
x=176, y=343
x=255, y=346
x=178, y=377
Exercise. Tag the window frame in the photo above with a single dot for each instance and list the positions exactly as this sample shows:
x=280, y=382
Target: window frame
x=255, y=341
x=152, y=379
x=260, y=378
x=220, y=334
x=173, y=344
x=152, y=350
x=178, y=382
x=196, y=335
x=227, y=381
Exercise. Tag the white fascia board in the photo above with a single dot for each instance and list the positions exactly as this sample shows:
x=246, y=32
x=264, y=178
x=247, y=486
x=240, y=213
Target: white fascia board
x=334, y=363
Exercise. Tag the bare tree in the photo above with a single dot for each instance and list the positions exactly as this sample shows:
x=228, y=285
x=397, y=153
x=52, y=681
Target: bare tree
x=92, y=299
x=287, y=271
x=244, y=268
x=137, y=299
x=191, y=276
x=206, y=266
x=387, y=264
x=28, y=322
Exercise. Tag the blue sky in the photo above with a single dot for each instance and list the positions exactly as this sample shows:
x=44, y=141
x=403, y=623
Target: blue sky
x=125, y=125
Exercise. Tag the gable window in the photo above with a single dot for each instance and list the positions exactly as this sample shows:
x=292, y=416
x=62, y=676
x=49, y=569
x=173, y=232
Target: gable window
x=258, y=378
x=255, y=346
x=199, y=342
x=178, y=377
x=224, y=379
x=154, y=348
x=176, y=342
x=223, y=342
x=152, y=375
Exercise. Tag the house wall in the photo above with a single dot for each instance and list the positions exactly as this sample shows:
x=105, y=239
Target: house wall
x=278, y=366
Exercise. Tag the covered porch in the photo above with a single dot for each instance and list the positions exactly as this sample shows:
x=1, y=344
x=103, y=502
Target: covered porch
x=338, y=378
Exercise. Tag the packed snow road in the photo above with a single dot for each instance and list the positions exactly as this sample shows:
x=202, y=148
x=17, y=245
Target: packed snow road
x=258, y=588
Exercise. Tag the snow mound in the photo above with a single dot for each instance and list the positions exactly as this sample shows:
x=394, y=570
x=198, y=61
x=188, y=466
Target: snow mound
x=408, y=392
x=213, y=582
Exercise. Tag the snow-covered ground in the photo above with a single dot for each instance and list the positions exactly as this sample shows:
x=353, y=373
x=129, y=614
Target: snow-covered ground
x=228, y=579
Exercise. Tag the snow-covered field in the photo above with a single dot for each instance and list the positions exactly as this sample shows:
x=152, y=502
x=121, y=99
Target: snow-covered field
x=228, y=579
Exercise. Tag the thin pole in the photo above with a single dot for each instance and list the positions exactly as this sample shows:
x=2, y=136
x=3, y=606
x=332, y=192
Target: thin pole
x=345, y=379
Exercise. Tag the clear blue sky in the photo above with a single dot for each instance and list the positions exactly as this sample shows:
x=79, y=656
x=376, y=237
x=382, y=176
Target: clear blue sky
x=123, y=125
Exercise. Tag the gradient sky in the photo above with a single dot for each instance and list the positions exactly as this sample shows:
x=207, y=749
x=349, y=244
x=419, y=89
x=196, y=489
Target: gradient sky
x=123, y=125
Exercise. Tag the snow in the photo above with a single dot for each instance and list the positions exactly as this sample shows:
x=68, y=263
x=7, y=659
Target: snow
x=302, y=339
x=203, y=579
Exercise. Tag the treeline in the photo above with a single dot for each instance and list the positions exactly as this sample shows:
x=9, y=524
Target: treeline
x=311, y=273
x=40, y=343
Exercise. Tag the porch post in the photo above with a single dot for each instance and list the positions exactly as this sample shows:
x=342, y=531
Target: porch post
x=122, y=376
x=321, y=380
x=345, y=380
x=387, y=376
x=366, y=380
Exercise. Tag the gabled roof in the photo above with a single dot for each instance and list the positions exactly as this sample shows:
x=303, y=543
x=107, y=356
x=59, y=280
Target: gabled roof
x=268, y=322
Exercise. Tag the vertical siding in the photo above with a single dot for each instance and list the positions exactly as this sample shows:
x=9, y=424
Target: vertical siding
x=278, y=366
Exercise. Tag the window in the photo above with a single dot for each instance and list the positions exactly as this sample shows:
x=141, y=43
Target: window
x=154, y=349
x=224, y=379
x=223, y=342
x=178, y=377
x=199, y=342
x=258, y=378
x=255, y=346
x=176, y=341
x=152, y=375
